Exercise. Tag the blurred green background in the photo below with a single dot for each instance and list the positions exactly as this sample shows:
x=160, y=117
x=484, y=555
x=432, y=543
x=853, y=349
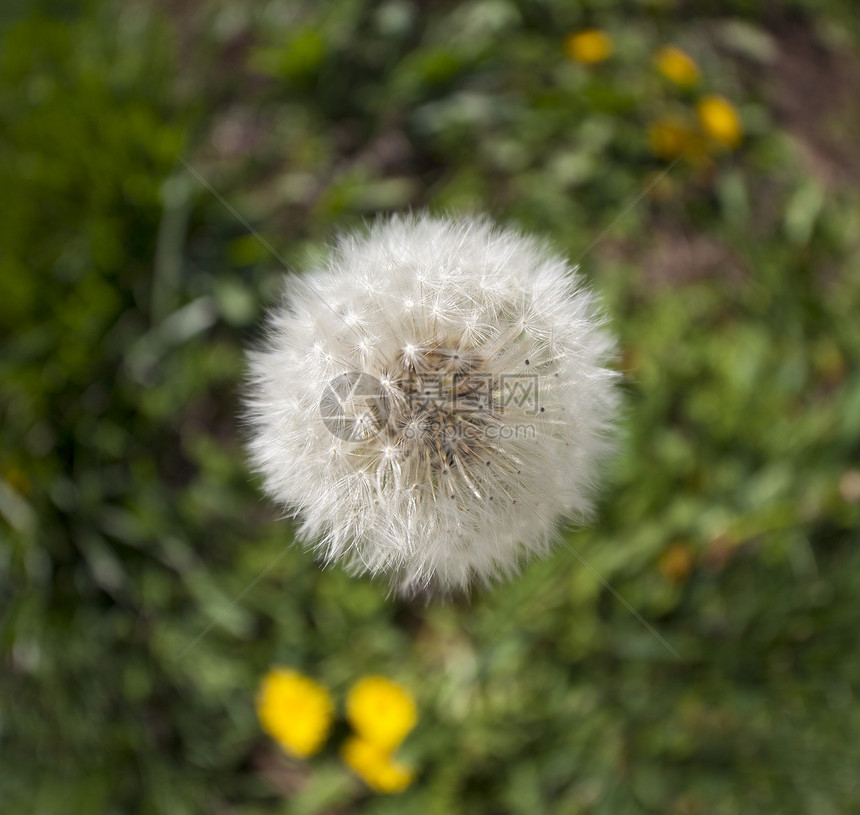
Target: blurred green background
x=128, y=292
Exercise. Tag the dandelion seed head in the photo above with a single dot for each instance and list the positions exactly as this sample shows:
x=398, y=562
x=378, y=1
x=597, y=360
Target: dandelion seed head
x=443, y=421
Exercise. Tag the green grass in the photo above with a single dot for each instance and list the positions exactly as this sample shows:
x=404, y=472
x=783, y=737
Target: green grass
x=129, y=522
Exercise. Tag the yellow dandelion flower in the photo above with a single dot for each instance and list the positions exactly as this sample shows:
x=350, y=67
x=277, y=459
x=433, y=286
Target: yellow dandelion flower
x=671, y=137
x=677, y=66
x=588, y=46
x=18, y=480
x=676, y=562
x=720, y=120
x=295, y=711
x=381, y=711
x=375, y=766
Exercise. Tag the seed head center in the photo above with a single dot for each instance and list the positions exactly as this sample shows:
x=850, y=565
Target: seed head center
x=444, y=406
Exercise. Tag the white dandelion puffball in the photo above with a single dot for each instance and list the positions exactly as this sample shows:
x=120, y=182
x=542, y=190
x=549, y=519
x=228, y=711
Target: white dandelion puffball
x=434, y=401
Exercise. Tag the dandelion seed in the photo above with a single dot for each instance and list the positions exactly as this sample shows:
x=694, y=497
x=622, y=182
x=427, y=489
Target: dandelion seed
x=418, y=411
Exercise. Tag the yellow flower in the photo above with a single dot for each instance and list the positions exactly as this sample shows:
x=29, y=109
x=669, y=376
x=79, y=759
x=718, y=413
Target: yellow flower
x=672, y=137
x=677, y=66
x=588, y=46
x=676, y=562
x=719, y=120
x=374, y=765
x=295, y=711
x=381, y=711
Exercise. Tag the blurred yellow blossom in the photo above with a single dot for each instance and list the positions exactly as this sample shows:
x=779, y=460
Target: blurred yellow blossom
x=677, y=66
x=375, y=766
x=849, y=486
x=588, y=46
x=295, y=711
x=720, y=120
x=671, y=137
x=381, y=711
x=676, y=562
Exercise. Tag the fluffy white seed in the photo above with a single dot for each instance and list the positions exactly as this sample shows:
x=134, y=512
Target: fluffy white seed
x=434, y=402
